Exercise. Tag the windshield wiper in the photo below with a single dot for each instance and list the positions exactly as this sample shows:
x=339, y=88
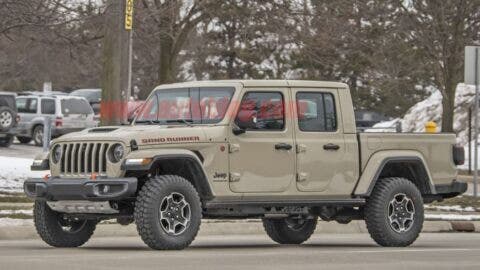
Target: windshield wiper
x=187, y=122
x=150, y=122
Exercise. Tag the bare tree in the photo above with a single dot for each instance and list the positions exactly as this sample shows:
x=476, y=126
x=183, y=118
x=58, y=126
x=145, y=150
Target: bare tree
x=440, y=30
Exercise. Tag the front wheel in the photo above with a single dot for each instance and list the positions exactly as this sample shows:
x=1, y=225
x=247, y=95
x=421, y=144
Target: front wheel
x=394, y=212
x=168, y=212
x=291, y=230
x=58, y=231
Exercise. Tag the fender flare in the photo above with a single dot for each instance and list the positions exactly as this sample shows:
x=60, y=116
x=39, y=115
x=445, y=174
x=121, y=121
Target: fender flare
x=159, y=155
x=378, y=161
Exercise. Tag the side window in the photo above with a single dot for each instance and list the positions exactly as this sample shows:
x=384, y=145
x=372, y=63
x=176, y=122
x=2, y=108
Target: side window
x=32, y=105
x=21, y=105
x=27, y=105
x=261, y=111
x=316, y=112
x=48, y=106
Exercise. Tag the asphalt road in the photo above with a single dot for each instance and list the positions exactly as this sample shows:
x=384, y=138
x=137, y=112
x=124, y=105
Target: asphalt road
x=19, y=150
x=334, y=251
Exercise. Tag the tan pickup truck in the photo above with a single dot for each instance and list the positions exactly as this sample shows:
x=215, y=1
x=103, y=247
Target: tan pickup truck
x=283, y=151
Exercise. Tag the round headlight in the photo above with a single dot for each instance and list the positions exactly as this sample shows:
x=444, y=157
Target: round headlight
x=117, y=153
x=57, y=153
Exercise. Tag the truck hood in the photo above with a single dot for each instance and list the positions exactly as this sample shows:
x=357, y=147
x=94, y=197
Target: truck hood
x=149, y=134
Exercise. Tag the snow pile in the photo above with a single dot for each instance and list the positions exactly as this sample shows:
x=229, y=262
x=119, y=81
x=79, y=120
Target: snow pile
x=450, y=208
x=431, y=109
x=13, y=171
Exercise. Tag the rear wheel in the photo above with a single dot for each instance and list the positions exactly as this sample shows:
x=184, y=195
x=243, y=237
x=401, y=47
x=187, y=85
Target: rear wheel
x=38, y=135
x=24, y=139
x=168, y=213
x=58, y=231
x=6, y=141
x=290, y=230
x=394, y=212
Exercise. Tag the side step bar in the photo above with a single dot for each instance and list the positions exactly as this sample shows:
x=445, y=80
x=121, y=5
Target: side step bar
x=329, y=202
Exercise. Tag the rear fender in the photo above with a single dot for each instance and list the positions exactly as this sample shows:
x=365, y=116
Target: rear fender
x=377, y=162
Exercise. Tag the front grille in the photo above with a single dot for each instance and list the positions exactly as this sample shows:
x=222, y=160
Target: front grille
x=83, y=159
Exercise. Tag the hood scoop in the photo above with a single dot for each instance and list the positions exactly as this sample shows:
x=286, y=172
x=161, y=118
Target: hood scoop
x=101, y=130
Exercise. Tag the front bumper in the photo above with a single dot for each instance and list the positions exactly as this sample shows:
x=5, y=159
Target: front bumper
x=56, y=189
x=451, y=190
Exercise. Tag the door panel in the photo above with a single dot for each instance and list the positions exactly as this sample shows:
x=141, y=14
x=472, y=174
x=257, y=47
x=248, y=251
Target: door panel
x=263, y=158
x=321, y=149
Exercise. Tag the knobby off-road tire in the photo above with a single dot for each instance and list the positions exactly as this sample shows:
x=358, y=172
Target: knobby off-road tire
x=58, y=232
x=394, y=201
x=168, y=212
x=288, y=230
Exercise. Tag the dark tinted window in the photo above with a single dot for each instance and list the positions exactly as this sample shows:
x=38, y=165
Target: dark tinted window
x=27, y=105
x=7, y=101
x=316, y=112
x=48, y=106
x=92, y=95
x=261, y=111
x=76, y=106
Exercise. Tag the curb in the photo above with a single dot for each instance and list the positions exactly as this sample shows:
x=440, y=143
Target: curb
x=244, y=227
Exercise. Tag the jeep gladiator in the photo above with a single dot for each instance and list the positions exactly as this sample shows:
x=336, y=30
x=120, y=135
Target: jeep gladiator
x=284, y=151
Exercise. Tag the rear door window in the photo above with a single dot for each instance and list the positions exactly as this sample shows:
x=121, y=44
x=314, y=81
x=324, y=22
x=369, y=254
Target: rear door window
x=27, y=105
x=76, y=106
x=316, y=112
x=48, y=106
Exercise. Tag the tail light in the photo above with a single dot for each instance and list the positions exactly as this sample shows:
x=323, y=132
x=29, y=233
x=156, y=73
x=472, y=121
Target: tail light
x=458, y=155
x=58, y=121
x=17, y=118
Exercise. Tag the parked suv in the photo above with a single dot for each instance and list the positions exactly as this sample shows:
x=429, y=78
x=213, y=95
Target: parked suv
x=283, y=151
x=94, y=97
x=66, y=113
x=8, y=118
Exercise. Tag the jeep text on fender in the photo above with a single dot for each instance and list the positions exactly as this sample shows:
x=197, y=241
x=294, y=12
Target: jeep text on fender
x=283, y=151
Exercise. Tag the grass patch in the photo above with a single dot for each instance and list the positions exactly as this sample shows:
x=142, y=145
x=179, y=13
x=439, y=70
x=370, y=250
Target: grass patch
x=17, y=216
x=15, y=199
x=463, y=201
x=16, y=207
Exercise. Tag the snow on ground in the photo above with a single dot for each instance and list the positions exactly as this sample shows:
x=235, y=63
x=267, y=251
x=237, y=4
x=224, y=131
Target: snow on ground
x=451, y=217
x=16, y=212
x=450, y=208
x=4, y=222
x=13, y=171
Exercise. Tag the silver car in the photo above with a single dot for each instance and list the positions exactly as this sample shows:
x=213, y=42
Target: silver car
x=66, y=113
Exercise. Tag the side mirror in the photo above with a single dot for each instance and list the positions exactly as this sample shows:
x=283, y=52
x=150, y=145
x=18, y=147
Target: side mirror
x=236, y=130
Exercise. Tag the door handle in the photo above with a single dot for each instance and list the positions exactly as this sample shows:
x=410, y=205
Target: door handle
x=331, y=146
x=283, y=146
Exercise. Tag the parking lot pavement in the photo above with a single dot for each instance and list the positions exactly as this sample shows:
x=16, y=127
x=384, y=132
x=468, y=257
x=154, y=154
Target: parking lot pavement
x=323, y=251
x=19, y=150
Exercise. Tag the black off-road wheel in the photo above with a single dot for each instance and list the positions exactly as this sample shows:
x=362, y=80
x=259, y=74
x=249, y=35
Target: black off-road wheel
x=58, y=231
x=394, y=212
x=290, y=230
x=168, y=212
x=6, y=141
x=24, y=140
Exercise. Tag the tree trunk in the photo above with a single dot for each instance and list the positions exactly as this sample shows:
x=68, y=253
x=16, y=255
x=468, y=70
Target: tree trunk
x=115, y=66
x=448, y=103
x=166, y=61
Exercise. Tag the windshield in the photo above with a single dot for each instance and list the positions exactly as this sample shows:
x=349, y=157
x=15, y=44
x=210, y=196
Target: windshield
x=92, y=95
x=76, y=106
x=206, y=105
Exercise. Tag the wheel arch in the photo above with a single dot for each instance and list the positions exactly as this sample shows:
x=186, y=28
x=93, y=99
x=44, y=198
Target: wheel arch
x=409, y=164
x=184, y=163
